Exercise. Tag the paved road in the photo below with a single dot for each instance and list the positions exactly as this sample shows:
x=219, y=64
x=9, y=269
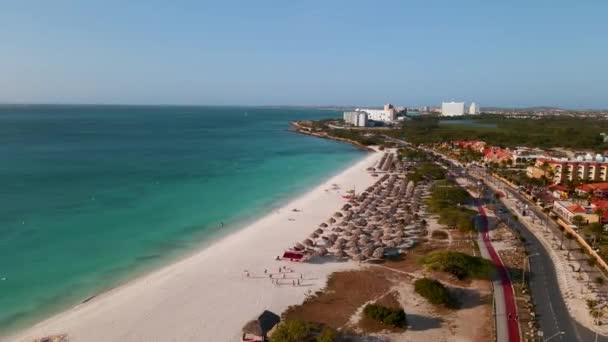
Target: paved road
x=553, y=315
x=507, y=326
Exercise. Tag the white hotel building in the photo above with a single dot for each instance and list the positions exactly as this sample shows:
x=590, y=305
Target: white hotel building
x=356, y=118
x=388, y=114
x=452, y=108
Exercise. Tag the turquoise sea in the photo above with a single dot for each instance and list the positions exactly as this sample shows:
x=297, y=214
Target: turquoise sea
x=91, y=196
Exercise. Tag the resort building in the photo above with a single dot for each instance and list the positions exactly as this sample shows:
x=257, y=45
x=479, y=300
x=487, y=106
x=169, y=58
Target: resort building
x=473, y=109
x=452, y=108
x=585, y=168
x=358, y=119
x=567, y=210
x=597, y=190
x=387, y=114
x=497, y=155
x=558, y=191
x=477, y=146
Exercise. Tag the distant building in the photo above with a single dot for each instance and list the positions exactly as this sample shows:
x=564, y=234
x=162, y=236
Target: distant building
x=358, y=119
x=388, y=114
x=473, y=109
x=452, y=108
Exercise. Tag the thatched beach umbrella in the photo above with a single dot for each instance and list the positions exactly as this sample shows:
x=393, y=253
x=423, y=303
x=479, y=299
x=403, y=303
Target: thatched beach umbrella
x=338, y=230
x=314, y=235
x=351, y=243
x=331, y=220
x=319, y=231
x=321, y=251
x=340, y=254
x=308, y=242
x=353, y=251
x=378, y=253
x=359, y=258
x=338, y=214
x=299, y=246
x=323, y=225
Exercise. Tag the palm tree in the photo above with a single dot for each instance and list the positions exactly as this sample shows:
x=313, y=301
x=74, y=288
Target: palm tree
x=578, y=220
x=596, y=229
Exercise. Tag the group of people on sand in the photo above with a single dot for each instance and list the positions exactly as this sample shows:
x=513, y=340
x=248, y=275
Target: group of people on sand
x=281, y=276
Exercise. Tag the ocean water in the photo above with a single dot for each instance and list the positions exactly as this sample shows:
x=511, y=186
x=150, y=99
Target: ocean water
x=91, y=196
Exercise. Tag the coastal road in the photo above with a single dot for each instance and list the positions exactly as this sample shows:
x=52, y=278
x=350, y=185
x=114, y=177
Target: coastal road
x=552, y=313
x=507, y=326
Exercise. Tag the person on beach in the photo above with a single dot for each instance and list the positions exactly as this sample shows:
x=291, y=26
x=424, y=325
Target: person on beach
x=294, y=283
x=265, y=271
x=283, y=275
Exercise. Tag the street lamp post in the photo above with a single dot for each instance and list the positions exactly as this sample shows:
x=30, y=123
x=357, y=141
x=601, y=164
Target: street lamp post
x=523, y=272
x=555, y=335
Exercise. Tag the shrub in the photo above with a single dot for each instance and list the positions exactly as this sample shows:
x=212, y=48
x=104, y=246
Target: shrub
x=440, y=235
x=434, y=292
x=388, y=316
x=291, y=331
x=599, y=280
x=328, y=335
x=459, y=264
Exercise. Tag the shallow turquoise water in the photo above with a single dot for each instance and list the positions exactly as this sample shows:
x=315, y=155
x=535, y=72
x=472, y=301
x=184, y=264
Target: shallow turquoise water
x=92, y=195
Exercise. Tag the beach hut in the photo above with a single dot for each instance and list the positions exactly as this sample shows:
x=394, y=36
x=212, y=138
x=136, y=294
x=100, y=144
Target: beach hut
x=257, y=330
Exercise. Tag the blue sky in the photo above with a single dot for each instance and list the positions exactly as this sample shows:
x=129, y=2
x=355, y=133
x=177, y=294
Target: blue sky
x=507, y=53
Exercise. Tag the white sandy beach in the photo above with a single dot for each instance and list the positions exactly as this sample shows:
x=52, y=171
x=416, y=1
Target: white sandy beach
x=207, y=296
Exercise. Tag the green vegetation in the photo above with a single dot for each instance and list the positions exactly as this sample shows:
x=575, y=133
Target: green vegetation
x=426, y=170
x=360, y=136
x=434, y=292
x=388, y=316
x=460, y=265
x=497, y=130
x=328, y=335
x=412, y=154
x=293, y=330
x=447, y=200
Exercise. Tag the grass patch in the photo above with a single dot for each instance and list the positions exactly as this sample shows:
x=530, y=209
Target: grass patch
x=460, y=265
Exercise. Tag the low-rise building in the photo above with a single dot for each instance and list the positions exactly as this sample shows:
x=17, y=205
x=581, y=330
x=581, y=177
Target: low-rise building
x=478, y=146
x=598, y=190
x=497, y=155
x=558, y=191
x=567, y=210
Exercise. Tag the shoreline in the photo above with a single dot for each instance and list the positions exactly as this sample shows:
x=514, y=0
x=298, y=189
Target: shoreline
x=306, y=131
x=199, y=295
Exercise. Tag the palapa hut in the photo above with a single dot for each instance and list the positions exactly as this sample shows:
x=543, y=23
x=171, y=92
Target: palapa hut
x=258, y=329
x=308, y=242
x=319, y=231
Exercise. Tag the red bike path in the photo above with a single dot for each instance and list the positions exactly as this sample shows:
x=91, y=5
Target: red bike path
x=505, y=280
